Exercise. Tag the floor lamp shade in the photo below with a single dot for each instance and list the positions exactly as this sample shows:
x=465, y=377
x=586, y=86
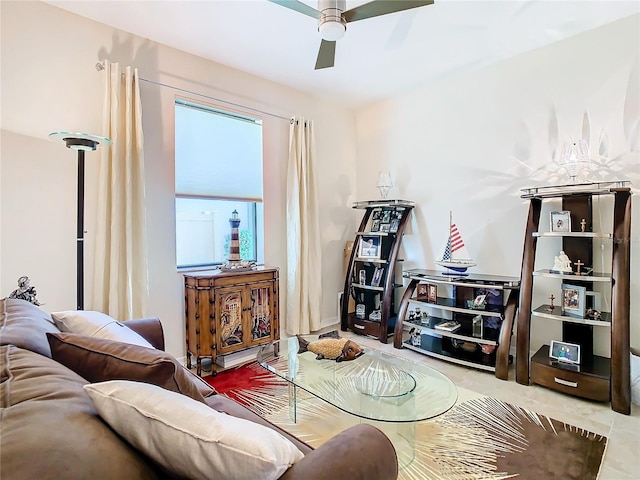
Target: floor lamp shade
x=81, y=142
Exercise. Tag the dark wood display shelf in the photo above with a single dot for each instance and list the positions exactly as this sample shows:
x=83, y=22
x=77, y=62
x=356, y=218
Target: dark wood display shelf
x=378, y=295
x=459, y=291
x=598, y=378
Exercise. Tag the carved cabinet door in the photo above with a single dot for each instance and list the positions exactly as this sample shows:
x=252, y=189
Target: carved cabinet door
x=262, y=312
x=231, y=329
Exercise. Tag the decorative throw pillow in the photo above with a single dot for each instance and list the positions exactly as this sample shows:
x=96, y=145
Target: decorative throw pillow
x=98, y=359
x=97, y=324
x=188, y=438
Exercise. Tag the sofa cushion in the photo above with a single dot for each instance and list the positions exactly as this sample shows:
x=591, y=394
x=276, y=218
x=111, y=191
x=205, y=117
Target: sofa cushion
x=98, y=359
x=50, y=428
x=97, y=324
x=25, y=325
x=224, y=404
x=211, y=444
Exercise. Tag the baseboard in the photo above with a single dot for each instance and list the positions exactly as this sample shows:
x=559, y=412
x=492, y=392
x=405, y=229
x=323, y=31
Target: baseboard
x=329, y=322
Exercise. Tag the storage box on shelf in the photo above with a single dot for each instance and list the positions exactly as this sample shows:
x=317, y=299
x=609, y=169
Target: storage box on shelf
x=465, y=318
x=230, y=311
x=595, y=377
x=370, y=275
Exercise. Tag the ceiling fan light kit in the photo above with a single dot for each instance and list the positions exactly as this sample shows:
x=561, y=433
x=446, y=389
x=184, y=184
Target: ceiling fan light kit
x=331, y=25
x=333, y=18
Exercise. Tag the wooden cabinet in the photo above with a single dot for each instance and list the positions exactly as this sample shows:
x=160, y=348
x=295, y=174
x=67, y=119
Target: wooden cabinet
x=465, y=319
x=229, y=311
x=598, y=244
x=368, y=306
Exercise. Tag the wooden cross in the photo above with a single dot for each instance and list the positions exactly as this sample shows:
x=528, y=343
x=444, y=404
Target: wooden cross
x=583, y=224
x=578, y=264
x=552, y=298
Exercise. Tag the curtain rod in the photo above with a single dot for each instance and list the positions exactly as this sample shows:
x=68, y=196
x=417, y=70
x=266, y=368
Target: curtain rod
x=100, y=67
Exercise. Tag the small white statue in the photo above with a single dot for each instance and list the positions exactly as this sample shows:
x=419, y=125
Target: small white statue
x=561, y=263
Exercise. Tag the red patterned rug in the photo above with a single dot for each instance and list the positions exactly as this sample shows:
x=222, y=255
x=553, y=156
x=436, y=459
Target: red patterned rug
x=236, y=382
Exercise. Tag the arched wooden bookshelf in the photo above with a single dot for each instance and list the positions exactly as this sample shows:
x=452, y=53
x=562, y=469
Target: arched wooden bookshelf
x=370, y=276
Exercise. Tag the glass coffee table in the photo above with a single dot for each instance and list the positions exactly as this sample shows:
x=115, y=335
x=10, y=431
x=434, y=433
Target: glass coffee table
x=390, y=392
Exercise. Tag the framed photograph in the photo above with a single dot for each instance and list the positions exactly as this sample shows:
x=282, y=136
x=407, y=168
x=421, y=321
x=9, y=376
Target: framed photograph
x=432, y=293
x=594, y=300
x=375, y=225
x=421, y=292
x=384, y=227
x=573, y=300
x=564, y=352
x=362, y=277
x=377, y=277
x=386, y=216
x=393, y=227
x=480, y=302
x=377, y=213
x=477, y=326
x=561, y=221
x=369, y=246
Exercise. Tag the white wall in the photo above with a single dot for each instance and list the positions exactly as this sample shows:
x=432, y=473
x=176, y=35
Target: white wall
x=49, y=83
x=470, y=142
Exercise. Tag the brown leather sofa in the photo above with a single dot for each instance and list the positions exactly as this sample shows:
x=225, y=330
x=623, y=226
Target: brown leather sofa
x=50, y=429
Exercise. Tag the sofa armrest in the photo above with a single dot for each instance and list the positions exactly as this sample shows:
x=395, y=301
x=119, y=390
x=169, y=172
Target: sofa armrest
x=361, y=452
x=150, y=329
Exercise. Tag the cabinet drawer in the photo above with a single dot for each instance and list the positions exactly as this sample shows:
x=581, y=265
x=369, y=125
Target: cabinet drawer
x=363, y=327
x=573, y=383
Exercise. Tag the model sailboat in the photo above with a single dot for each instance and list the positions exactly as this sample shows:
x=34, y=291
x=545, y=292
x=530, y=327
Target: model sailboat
x=455, y=256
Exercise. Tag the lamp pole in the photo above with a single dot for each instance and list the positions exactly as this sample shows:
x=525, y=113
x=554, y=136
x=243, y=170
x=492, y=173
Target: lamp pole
x=80, y=233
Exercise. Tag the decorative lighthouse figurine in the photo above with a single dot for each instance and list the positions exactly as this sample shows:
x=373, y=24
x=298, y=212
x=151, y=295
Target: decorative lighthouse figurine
x=234, y=248
x=234, y=262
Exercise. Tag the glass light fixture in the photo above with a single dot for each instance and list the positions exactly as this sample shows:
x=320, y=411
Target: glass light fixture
x=332, y=30
x=575, y=158
x=384, y=183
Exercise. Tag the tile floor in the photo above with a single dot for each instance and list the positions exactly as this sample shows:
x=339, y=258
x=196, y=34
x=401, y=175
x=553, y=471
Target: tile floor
x=622, y=457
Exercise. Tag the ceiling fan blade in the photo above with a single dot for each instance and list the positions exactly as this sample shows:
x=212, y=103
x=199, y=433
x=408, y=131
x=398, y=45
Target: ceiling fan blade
x=298, y=7
x=326, y=55
x=382, y=7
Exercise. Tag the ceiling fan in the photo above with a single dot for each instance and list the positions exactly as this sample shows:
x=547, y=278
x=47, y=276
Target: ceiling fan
x=333, y=18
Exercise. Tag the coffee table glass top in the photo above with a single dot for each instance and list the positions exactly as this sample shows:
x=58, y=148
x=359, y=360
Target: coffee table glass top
x=376, y=385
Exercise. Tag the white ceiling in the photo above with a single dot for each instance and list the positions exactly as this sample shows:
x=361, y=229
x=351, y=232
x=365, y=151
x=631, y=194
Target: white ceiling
x=377, y=58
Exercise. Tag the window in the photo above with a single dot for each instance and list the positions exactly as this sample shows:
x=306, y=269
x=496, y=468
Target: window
x=218, y=166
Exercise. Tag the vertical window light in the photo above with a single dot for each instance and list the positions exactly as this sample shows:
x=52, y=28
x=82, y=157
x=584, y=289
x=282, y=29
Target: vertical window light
x=218, y=169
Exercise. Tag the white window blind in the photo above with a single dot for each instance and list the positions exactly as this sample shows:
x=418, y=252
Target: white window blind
x=217, y=155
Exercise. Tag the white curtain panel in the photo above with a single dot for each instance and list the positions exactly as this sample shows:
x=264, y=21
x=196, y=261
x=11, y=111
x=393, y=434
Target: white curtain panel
x=120, y=287
x=304, y=263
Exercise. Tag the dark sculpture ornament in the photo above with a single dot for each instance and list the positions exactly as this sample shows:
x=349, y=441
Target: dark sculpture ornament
x=25, y=291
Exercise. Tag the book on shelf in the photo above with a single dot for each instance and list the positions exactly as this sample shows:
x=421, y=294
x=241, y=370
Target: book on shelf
x=449, y=326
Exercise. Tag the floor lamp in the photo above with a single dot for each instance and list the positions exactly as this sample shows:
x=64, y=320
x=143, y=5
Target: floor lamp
x=81, y=142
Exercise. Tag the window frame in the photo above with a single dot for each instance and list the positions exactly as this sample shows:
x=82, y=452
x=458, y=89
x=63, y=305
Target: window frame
x=253, y=203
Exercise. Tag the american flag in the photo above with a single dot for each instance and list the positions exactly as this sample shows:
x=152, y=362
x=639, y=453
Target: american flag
x=454, y=243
